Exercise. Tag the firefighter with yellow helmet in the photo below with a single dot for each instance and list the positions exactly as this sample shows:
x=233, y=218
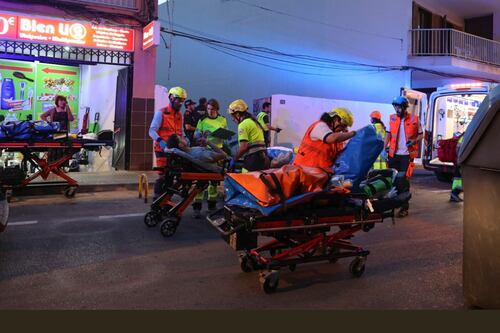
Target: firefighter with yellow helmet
x=252, y=145
x=324, y=139
x=166, y=121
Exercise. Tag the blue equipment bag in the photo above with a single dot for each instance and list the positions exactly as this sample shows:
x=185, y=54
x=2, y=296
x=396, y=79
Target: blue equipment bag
x=19, y=130
x=358, y=156
x=24, y=130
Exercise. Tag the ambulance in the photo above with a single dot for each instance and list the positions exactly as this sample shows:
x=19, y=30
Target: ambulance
x=445, y=114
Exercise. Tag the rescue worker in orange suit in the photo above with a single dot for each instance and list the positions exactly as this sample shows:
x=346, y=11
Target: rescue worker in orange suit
x=324, y=139
x=402, y=142
x=166, y=121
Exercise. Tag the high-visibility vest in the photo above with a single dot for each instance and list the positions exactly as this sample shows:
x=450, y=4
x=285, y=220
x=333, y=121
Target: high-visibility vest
x=316, y=153
x=260, y=119
x=381, y=161
x=171, y=123
x=411, y=132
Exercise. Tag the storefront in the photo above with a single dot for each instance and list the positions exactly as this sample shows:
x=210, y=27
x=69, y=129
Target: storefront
x=91, y=65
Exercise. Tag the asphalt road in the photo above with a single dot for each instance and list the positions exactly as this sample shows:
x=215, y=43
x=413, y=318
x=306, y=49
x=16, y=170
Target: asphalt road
x=94, y=252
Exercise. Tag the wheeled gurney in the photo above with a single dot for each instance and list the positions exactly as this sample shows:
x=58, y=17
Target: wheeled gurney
x=307, y=227
x=185, y=177
x=31, y=149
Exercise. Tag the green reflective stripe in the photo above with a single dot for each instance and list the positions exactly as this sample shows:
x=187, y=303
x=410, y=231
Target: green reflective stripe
x=211, y=192
x=457, y=184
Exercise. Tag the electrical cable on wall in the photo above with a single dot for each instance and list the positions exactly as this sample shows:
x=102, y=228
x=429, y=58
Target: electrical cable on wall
x=251, y=53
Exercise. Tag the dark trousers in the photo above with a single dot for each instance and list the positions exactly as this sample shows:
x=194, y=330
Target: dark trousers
x=401, y=164
x=256, y=161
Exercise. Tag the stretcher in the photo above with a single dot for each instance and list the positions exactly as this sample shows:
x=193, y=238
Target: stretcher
x=31, y=149
x=185, y=177
x=304, y=228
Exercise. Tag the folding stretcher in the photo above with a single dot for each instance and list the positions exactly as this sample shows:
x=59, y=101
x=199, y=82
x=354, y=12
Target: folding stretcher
x=185, y=177
x=304, y=228
x=31, y=150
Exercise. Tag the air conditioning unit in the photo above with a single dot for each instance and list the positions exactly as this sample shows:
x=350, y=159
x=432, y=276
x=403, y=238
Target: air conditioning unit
x=124, y=4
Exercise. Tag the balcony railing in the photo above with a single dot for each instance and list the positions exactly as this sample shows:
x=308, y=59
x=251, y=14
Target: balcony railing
x=450, y=42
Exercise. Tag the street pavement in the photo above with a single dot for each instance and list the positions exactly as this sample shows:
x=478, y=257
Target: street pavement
x=94, y=252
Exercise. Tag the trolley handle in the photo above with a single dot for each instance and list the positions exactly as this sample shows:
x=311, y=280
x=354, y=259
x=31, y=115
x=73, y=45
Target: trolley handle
x=217, y=225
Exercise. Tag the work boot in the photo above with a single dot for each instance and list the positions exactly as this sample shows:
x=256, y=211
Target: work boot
x=454, y=197
x=403, y=212
x=197, y=210
x=212, y=206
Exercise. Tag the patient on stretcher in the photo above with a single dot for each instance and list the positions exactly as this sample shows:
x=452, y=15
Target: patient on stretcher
x=209, y=154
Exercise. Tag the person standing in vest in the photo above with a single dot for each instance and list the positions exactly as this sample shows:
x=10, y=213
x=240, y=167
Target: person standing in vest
x=212, y=122
x=190, y=120
x=376, y=120
x=252, y=146
x=265, y=122
x=456, y=186
x=166, y=121
x=402, y=142
x=324, y=139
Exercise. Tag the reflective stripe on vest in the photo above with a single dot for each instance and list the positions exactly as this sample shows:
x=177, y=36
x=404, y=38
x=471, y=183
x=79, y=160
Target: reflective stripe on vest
x=315, y=153
x=411, y=132
x=171, y=123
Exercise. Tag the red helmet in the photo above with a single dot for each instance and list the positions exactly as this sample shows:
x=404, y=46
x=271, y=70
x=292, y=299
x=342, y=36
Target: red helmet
x=376, y=114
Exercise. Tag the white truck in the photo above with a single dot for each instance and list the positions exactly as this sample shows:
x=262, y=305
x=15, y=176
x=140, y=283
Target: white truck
x=294, y=114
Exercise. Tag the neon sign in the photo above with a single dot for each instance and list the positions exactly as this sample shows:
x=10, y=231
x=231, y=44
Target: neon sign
x=53, y=31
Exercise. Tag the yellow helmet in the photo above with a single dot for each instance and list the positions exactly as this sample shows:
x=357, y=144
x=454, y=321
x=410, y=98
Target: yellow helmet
x=344, y=114
x=178, y=92
x=238, y=105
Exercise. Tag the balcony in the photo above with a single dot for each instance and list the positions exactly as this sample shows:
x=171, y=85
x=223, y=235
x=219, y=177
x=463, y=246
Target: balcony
x=449, y=42
x=455, y=53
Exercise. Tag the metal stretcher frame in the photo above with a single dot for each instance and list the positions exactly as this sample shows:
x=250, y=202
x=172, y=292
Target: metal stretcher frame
x=296, y=240
x=28, y=148
x=185, y=184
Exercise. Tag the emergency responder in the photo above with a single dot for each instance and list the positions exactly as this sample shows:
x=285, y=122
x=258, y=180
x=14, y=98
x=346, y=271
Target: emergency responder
x=205, y=127
x=324, y=139
x=376, y=120
x=265, y=122
x=252, y=146
x=402, y=142
x=166, y=121
x=190, y=120
x=456, y=186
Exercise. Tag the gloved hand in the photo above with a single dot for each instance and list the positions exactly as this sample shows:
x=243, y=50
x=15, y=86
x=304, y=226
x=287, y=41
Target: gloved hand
x=231, y=164
x=410, y=143
x=163, y=145
x=386, y=150
x=278, y=130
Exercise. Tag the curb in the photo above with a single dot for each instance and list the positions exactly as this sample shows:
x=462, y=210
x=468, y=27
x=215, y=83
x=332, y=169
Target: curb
x=49, y=189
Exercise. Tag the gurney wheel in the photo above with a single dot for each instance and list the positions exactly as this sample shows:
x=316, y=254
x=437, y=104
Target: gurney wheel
x=246, y=264
x=169, y=227
x=151, y=219
x=269, y=281
x=70, y=192
x=357, y=266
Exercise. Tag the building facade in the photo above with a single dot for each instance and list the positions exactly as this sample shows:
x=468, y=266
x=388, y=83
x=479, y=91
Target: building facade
x=352, y=50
